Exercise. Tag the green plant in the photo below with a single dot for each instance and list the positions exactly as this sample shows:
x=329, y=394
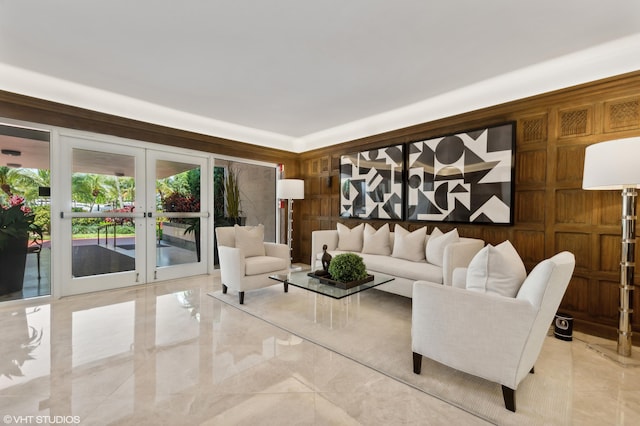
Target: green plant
x=16, y=221
x=347, y=267
x=232, y=193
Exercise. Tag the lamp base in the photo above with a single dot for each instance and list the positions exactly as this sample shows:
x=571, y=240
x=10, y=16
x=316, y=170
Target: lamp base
x=611, y=352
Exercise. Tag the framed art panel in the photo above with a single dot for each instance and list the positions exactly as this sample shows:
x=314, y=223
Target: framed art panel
x=466, y=177
x=371, y=183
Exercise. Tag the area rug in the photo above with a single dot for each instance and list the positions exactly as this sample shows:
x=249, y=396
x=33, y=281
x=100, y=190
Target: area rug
x=374, y=329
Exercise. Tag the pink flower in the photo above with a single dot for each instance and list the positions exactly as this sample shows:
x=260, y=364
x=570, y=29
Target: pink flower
x=16, y=200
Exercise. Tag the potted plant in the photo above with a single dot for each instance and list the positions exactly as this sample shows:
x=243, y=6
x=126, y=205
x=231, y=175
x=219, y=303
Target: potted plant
x=16, y=223
x=348, y=268
x=232, y=196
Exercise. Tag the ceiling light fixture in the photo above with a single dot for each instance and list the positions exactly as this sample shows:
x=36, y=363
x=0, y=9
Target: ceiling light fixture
x=11, y=152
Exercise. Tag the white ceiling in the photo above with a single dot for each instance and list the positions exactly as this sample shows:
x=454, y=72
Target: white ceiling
x=298, y=75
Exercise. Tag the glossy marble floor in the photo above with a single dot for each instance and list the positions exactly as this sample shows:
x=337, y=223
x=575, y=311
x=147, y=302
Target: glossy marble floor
x=170, y=354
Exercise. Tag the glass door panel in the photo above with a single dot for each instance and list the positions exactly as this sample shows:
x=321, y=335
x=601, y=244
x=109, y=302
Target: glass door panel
x=24, y=189
x=105, y=223
x=179, y=224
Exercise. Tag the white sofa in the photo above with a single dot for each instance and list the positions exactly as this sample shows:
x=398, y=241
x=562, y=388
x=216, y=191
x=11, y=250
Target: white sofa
x=405, y=263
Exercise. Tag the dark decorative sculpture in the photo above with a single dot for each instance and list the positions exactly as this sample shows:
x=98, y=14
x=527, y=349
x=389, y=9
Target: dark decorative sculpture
x=326, y=259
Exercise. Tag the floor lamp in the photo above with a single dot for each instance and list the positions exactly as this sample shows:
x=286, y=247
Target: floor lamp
x=614, y=165
x=290, y=189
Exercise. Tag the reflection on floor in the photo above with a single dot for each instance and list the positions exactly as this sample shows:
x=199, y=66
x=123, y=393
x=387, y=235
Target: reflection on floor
x=168, y=353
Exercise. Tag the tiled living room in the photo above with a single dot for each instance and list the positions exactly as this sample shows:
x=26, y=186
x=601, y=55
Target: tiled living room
x=455, y=144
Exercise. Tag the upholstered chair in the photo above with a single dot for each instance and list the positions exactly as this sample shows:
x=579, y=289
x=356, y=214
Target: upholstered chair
x=246, y=261
x=495, y=337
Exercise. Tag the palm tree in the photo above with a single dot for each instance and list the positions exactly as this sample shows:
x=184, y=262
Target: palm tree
x=29, y=181
x=89, y=188
x=6, y=179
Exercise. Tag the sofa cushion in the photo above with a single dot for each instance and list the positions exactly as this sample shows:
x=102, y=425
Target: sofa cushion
x=350, y=239
x=250, y=239
x=409, y=245
x=436, y=244
x=263, y=264
x=403, y=268
x=376, y=242
x=496, y=270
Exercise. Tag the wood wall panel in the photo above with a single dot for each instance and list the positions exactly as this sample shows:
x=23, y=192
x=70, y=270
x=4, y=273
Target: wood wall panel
x=530, y=245
x=577, y=295
x=622, y=114
x=528, y=206
x=532, y=130
x=577, y=243
x=569, y=163
x=575, y=122
x=551, y=210
x=571, y=207
x=528, y=170
x=610, y=252
x=608, y=206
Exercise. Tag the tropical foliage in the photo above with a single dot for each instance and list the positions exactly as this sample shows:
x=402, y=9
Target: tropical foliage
x=16, y=221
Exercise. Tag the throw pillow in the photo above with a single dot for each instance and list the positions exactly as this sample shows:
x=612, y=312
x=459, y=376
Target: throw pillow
x=409, y=245
x=496, y=270
x=250, y=239
x=376, y=242
x=350, y=239
x=437, y=243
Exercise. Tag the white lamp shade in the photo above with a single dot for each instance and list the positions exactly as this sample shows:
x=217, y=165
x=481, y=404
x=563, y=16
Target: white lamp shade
x=290, y=189
x=612, y=165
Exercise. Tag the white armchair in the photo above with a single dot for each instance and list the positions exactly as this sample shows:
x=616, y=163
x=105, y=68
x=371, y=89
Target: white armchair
x=494, y=337
x=246, y=261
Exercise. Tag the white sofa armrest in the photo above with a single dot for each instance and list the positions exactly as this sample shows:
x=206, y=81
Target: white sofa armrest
x=232, y=264
x=481, y=334
x=458, y=255
x=277, y=250
x=459, y=278
x=320, y=238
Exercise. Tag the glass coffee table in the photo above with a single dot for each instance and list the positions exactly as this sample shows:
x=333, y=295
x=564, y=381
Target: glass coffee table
x=301, y=279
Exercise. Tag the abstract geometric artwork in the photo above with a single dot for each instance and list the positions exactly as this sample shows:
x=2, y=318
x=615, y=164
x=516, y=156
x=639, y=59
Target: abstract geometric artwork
x=466, y=177
x=371, y=183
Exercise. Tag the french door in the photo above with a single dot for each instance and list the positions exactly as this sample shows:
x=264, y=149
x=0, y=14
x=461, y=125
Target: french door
x=132, y=215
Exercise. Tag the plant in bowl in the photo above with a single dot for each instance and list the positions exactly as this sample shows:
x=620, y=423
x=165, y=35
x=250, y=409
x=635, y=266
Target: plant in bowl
x=347, y=267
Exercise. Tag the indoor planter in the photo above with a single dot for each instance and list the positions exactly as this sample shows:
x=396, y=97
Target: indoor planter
x=346, y=270
x=16, y=223
x=232, y=197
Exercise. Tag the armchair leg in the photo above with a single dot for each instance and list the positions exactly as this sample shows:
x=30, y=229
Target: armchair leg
x=532, y=371
x=417, y=363
x=509, y=396
x=224, y=289
x=241, y=297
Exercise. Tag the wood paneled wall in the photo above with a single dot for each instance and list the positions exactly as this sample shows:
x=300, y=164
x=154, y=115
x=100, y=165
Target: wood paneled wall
x=552, y=212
